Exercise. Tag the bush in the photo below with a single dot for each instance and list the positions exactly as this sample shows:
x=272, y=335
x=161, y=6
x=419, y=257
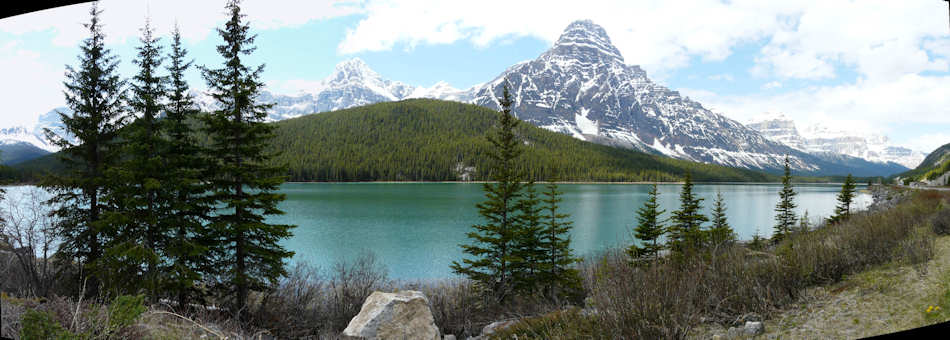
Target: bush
x=941, y=222
x=37, y=325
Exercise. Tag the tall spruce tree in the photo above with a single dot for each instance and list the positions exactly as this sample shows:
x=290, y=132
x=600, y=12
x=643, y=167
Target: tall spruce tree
x=720, y=233
x=528, y=253
x=139, y=220
x=188, y=241
x=95, y=94
x=649, y=229
x=686, y=235
x=493, y=244
x=242, y=184
x=785, y=218
x=558, y=278
x=845, y=198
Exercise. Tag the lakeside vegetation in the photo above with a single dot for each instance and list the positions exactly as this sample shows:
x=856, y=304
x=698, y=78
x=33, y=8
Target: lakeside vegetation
x=157, y=228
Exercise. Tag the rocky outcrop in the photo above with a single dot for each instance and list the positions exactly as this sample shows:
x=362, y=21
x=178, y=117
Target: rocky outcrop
x=400, y=315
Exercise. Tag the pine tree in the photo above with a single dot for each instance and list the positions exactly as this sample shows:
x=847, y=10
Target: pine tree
x=134, y=253
x=242, y=185
x=804, y=224
x=649, y=229
x=785, y=219
x=94, y=92
x=493, y=243
x=685, y=234
x=188, y=240
x=720, y=233
x=559, y=279
x=528, y=253
x=845, y=198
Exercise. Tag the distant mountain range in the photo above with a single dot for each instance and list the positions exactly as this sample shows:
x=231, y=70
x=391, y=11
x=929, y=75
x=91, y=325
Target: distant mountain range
x=818, y=139
x=583, y=87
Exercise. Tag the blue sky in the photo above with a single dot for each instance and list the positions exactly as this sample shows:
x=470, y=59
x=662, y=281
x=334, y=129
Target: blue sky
x=866, y=67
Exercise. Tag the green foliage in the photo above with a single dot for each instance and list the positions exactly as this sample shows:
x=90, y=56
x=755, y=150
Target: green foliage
x=685, y=235
x=845, y=198
x=785, y=218
x=187, y=241
x=528, y=252
x=432, y=140
x=758, y=242
x=649, y=229
x=566, y=324
x=249, y=255
x=38, y=325
x=720, y=233
x=124, y=312
x=938, y=171
x=494, y=244
x=930, y=166
x=94, y=93
x=558, y=277
x=137, y=192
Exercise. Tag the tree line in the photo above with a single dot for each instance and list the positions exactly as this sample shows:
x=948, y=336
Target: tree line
x=142, y=205
x=686, y=235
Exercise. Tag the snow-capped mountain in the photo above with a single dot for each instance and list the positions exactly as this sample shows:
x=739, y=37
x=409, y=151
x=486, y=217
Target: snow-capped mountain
x=820, y=139
x=34, y=135
x=583, y=87
x=351, y=84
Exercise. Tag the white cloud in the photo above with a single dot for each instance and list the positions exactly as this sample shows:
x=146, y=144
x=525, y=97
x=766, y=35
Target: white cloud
x=657, y=34
x=867, y=105
x=33, y=84
x=804, y=39
x=928, y=142
x=122, y=19
x=880, y=39
x=772, y=85
x=721, y=77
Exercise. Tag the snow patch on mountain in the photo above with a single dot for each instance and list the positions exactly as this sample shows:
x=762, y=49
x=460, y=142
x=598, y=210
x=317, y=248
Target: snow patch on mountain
x=819, y=139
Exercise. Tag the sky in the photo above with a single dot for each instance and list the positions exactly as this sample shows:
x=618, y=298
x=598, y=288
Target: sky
x=870, y=66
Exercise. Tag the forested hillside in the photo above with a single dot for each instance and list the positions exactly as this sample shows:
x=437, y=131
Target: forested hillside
x=937, y=163
x=422, y=139
x=434, y=140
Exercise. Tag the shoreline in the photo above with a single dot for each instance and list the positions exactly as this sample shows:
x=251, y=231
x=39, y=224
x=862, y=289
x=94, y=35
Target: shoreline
x=555, y=182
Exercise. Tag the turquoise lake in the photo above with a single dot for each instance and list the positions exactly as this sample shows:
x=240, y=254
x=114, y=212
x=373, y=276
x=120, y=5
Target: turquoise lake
x=414, y=229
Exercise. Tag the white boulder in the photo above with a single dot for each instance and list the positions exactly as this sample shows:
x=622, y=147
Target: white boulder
x=400, y=315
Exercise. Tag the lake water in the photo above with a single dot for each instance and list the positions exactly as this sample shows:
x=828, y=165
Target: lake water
x=414, y=229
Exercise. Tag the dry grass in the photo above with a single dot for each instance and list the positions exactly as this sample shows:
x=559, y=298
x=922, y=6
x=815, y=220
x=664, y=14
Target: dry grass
x=670, y=298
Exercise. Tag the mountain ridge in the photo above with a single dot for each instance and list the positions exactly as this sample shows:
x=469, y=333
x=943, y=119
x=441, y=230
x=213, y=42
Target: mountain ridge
x=582, y=87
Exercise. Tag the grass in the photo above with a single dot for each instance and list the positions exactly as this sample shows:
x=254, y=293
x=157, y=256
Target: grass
x=873, y=274
x=876, y=273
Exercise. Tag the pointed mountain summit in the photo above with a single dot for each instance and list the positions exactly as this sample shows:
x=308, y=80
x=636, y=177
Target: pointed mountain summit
x=583, y=39
x=352, y=83
x=583, y=87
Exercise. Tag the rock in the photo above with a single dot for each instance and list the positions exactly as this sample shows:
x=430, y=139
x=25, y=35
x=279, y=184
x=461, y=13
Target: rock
x=449, y=337
x=753, y=328
x=401, y=315
x=496, y=326
x=734, y=333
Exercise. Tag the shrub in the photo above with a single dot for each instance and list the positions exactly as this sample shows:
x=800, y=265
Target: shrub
x=941, y=222
x=37, y=325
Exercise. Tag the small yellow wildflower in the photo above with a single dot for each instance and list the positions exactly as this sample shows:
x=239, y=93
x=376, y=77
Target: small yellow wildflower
x=930, y=309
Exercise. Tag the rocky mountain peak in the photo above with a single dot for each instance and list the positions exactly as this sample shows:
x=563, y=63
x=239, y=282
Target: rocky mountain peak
x=584, y=38
x=352, y=69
